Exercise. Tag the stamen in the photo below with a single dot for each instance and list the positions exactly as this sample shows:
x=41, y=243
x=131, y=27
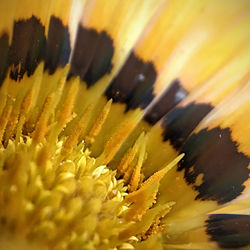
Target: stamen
x=25, y=108
x=5, y=116
x=76, y=132
x=90, y=138
x=42, y=123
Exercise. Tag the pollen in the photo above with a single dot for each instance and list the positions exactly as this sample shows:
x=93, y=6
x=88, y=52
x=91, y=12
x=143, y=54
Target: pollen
x=54, y=193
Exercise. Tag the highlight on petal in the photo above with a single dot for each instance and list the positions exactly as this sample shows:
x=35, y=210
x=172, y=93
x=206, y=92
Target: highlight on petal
x=124, y=124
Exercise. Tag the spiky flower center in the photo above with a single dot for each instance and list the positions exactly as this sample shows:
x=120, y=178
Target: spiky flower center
x=54, y=194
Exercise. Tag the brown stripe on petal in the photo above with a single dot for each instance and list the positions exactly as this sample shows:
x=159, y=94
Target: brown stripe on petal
x=181, y=121
x=101, y=63
x=213, y=155
x=134, y=83
x=171, y=97
x=4, y=52
x=229, y=230
x=27, y=47
x=92, y=57
x=57, y=45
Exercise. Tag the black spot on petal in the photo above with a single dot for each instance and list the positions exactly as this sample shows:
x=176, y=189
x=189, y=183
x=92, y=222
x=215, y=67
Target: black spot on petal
x=171, y=97
x=215, y=155
x=229, y=230
x=27, y=47
x=4, y=53
x=181, y=121
x=57, y=45
x=134, y=83
x=101, y=62
x=92, y=57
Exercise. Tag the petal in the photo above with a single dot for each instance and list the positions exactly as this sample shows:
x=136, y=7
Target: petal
x=229, y=230
x=215, y=169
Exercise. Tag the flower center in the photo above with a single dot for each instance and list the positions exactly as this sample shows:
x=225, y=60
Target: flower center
x=54, y=194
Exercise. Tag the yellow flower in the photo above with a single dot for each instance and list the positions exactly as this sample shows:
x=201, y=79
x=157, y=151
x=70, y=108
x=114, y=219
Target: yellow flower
x=124, y=124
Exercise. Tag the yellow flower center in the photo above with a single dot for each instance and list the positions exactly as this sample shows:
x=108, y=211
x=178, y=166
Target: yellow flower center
x=54, y=194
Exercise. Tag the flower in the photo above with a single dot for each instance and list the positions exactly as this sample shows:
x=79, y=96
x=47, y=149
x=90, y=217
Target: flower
x=124, y=124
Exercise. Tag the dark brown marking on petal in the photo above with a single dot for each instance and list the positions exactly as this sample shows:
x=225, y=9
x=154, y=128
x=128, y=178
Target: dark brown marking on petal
x=101, y=62
x=229, y=230
x=92, y=57
x=4, y=53
x=83, y=53
x=214, y=154
x=171, y=97
x=134, y=83
x=27, y=47
x=57, y=45
x=181, y=121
